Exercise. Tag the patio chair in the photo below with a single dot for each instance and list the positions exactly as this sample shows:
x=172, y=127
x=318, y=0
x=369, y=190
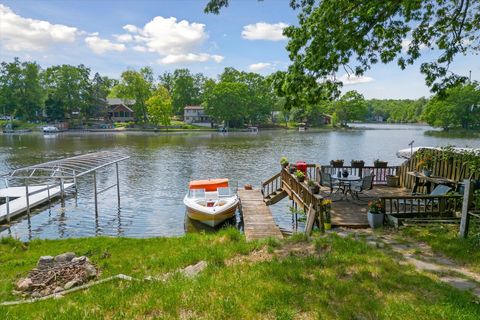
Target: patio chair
x=327, y=181
x=360, y=187
x=440, y=190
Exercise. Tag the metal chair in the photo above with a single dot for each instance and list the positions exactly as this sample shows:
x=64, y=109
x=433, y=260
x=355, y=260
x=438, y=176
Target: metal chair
x=360, y=187
x=327, y=181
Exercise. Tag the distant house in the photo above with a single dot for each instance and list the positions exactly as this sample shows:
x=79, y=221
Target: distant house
x=120, y=110
x=326, y=119
x=196, y=115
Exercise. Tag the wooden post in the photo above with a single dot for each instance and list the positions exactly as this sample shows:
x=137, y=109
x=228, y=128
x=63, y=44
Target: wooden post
x=311, y=216
x=467, y=198
x=62, y=190
x=7, y=199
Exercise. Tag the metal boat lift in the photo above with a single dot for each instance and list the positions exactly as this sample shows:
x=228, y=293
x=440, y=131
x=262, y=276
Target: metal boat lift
x=51, y=180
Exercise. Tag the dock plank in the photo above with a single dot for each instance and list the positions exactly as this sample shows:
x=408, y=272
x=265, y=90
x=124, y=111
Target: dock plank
x=257, y=217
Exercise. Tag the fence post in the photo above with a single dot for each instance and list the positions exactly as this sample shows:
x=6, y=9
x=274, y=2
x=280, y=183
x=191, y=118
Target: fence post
x=467, y=198
x=27, y=194
x=7, y=200
x=118, y=183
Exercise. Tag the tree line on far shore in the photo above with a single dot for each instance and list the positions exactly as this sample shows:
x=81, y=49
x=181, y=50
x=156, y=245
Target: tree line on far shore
x=236, y=98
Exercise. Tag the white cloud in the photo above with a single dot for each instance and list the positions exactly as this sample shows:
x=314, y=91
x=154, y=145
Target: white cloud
x=18, y=33
x=264, y=31
x=406, y=44
x=166, y=36
x=140, y=49
x=189, y=58
x=126, y=37
x=352, y=79
x=100, y=46
x=259, y=66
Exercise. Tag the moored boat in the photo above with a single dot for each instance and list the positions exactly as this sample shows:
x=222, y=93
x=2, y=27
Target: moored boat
x=211, y=201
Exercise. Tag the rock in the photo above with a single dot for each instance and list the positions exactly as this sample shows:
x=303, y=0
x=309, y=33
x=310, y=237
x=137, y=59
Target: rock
x=24, y=284
x=70, y=284
x=90, y=271
x=65, y=257
x=57, y=290
x=372, y=243
x=380, y=245
x=45, y=262
x=36, y=295
x=80, y=259
x=193, y=270
x=46, y=292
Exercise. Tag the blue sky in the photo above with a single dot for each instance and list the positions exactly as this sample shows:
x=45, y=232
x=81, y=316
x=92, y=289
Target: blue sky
x=110, y=36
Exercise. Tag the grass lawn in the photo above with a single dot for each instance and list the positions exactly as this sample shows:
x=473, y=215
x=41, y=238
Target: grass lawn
x=343, y=279
x=444, y=239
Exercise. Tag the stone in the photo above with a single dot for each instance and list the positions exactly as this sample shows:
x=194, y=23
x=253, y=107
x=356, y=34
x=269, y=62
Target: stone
x=70, y=284
x=36, y=295
x=193, y=270
x=90, y=271
x=46, y=292
x=380, y=245
x=80, y=259
x=24, y=284
x=372, y=243
x=45, y=262
x=65, y=257
x=57, y=290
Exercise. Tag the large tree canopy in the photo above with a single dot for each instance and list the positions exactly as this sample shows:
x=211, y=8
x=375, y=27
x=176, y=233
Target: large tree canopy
x=350, y=36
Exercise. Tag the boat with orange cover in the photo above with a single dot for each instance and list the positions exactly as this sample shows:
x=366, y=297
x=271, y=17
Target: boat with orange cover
x=211, y=201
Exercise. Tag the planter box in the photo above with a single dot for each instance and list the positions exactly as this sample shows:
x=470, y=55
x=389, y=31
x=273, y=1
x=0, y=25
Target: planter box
x=375, y=220
x=336, y=164
x=357, y=164
x=380, y=164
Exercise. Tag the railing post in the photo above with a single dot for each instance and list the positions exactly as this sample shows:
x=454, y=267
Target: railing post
x=95, y=190
x=467, y=198
x=7, y=199
x=118, y=183
x=27, y=195
x=62, y=189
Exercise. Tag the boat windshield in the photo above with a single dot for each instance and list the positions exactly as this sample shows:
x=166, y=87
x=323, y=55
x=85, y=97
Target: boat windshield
x=225, y=192
x=196, y=193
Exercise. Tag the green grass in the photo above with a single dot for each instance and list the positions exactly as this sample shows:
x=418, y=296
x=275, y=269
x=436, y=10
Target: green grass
x=444, y=239
x=346, y=279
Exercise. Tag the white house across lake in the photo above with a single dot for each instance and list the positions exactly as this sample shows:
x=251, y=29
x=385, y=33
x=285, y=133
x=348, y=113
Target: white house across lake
x=196, y=115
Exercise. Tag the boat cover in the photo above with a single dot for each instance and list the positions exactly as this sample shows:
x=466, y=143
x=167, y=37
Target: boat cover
x=209, y=185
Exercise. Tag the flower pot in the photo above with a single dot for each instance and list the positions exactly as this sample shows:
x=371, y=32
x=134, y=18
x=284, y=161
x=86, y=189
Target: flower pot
x=284, y=165
x=380, y=164
x=392, y=181
x=336, y=163
x=375, y=220
x=327, y=225
x=357, y=163
x=427, y=172
x=314, y=189
x=301, y=179
x=292, y=168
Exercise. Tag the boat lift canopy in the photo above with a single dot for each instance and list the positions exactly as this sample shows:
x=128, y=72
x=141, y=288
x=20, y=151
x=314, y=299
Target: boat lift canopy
x=68, y=168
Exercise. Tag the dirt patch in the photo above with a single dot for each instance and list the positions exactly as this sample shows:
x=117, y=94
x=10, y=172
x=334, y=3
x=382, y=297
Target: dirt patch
x=297, y=249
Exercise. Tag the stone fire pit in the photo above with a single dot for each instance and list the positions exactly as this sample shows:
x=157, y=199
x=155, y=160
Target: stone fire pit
x=56, y=274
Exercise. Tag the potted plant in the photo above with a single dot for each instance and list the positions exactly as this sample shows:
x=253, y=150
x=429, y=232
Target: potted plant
x=375, y=213
x=380, y=163
x=425, y=166
x=292, y=168
x=357, y=163
x=314, y=187
x=299, y=175
x=284, y=162
x=337, y=163
x=327, y=222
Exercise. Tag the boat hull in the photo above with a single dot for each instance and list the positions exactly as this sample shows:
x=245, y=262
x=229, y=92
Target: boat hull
x=209, y=219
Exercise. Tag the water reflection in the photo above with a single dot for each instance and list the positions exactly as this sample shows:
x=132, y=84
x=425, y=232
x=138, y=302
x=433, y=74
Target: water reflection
x=153, y=181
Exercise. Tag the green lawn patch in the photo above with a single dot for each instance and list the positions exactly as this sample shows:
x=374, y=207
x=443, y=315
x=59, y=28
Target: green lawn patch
x=444, y=239
x=343, y=279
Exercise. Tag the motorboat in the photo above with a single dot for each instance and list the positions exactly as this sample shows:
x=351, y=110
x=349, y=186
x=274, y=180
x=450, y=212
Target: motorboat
x=50, y=129
x=211, y=201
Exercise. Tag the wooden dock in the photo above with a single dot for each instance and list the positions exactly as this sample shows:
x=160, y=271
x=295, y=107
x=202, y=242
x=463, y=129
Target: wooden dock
x=18, y=199
x=257, y=217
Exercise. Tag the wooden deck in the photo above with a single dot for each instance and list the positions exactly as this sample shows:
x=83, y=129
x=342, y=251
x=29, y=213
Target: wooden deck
x=257, y=217
x=353, y=213
x=18, y=199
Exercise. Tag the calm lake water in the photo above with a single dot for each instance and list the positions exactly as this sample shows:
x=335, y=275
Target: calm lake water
x=154, y=180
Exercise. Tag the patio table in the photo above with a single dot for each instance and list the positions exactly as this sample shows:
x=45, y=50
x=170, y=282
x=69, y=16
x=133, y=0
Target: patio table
x=346, y=183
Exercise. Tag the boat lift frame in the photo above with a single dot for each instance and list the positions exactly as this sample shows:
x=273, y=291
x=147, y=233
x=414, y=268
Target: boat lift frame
x=62, y=171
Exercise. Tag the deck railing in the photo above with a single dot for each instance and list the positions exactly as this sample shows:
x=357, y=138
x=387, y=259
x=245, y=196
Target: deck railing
x=272, y=185
x=380, y=173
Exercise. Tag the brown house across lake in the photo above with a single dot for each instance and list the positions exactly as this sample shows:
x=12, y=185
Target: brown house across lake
x=120, y=110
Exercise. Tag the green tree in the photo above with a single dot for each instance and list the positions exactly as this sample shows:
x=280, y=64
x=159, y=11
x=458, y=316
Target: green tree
x=350, y=107
x=458, y=107
x=333, y=35
x=159, y=107
x=68, y=91
x=184, y=87
x=136, y=85
x=228, y=102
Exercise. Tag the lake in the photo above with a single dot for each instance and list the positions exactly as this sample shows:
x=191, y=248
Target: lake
x=154, y=180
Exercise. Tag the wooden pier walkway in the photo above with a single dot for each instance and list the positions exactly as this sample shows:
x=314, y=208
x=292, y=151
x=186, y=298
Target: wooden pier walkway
x=257, y=217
